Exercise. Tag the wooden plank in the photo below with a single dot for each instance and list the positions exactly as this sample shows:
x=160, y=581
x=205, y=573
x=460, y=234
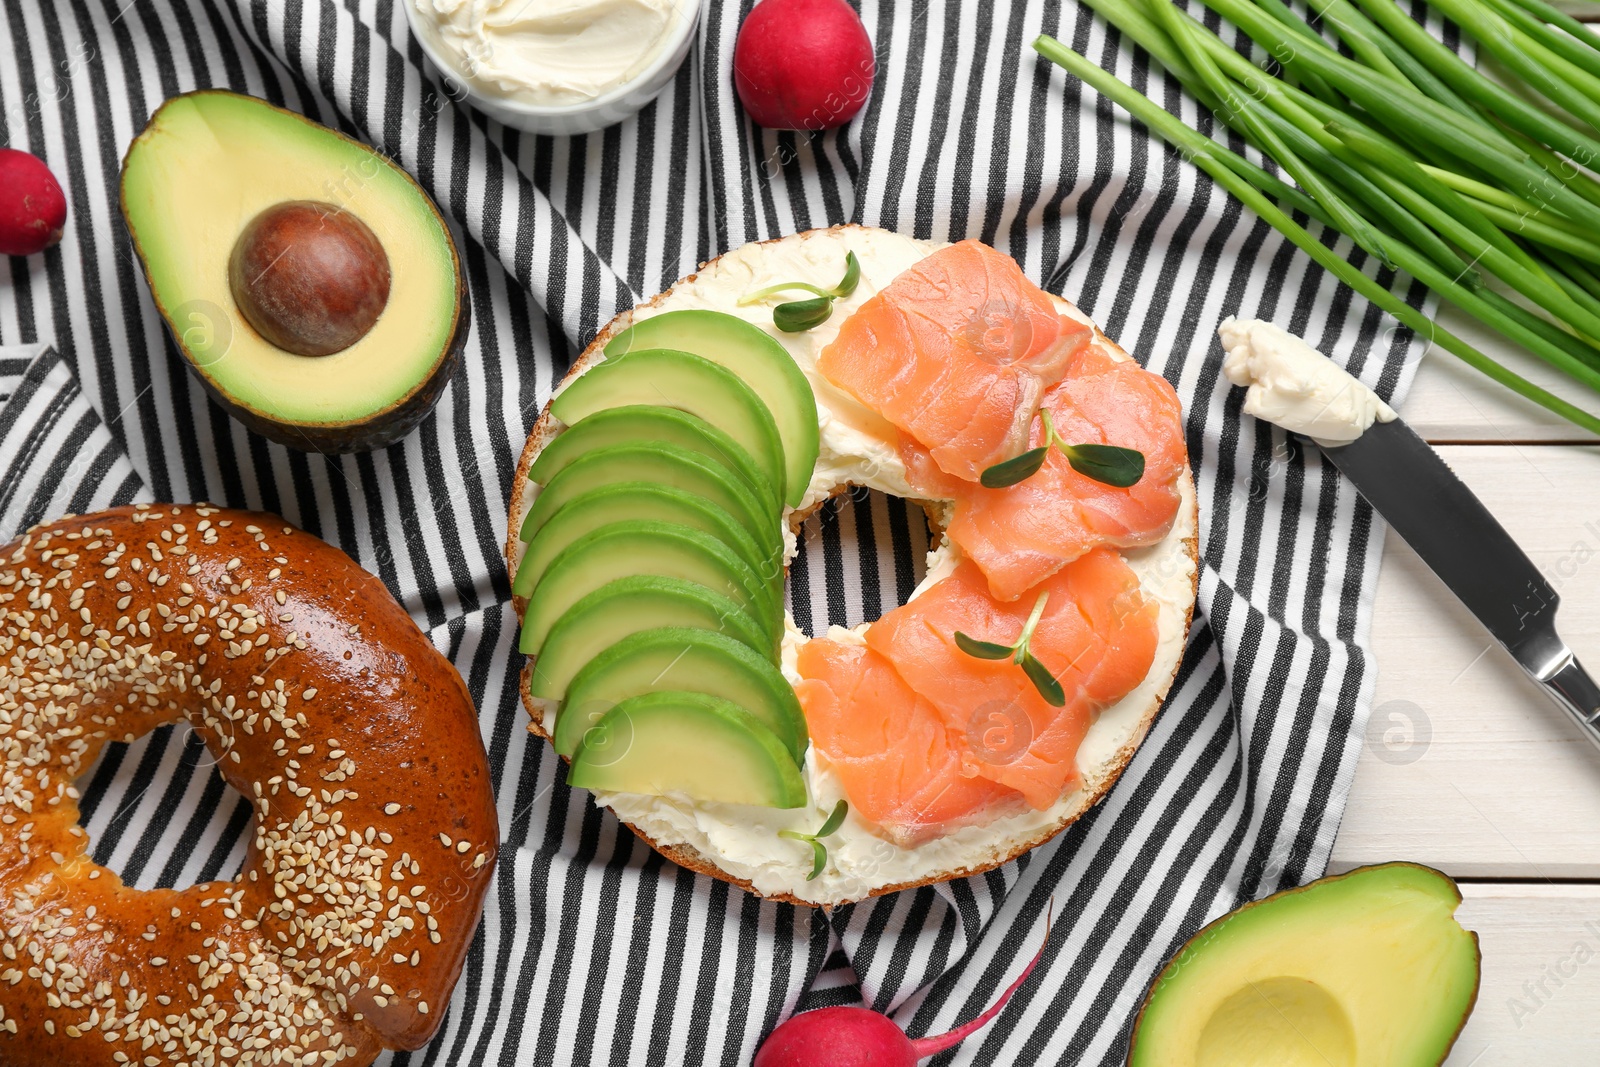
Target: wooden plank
x=1541, y=976
x=1449, y=401
x=1468, y=767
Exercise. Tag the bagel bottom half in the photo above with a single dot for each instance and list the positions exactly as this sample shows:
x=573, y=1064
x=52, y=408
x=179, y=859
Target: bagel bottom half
x=740, y=844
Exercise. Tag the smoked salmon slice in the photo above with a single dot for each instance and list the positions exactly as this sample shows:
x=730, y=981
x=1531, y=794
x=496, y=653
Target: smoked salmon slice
x=899, y=764
x=956, y=352
x=1097, y=636
x=1020, y=535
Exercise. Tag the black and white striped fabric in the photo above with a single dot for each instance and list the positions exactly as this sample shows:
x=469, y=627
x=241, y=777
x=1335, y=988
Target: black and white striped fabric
x=593, y=949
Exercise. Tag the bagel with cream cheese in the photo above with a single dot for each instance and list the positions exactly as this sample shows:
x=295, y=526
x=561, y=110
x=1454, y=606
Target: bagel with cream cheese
x=764, y=847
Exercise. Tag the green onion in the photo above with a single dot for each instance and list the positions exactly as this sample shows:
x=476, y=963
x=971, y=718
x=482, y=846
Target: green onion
x=1481, y=191
x=1556, y=17
x=1573, y=51
x=1426, y=255
x=1565, y=84
x=1262, y=132
x=1204, y=153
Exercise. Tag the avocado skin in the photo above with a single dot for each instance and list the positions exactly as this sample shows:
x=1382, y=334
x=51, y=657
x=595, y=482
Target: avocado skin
x=378, y=429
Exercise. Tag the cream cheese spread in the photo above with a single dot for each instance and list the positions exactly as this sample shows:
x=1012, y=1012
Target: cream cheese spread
x=1294, y=386
x=551, y=53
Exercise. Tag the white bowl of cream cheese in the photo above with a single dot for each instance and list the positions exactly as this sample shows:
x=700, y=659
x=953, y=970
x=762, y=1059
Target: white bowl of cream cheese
x=555, y=66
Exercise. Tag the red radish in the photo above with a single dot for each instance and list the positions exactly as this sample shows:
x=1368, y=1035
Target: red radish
x=32, y=207
x=860, y=1037
x=803, y=64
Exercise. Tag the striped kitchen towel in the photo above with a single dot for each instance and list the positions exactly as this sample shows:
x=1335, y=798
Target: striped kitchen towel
x=593, y=949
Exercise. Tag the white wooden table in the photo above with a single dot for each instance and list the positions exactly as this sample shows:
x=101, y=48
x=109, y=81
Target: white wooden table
x=1468, y=767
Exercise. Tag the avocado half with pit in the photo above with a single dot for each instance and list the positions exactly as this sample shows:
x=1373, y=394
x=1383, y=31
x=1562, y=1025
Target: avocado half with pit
x=310, y=283
x=1366, y=969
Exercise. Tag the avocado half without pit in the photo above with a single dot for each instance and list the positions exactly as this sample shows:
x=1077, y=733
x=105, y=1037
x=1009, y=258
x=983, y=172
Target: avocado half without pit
x=1366, y=969
x=310, y=284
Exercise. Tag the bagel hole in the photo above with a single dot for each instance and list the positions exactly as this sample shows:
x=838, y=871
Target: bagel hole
x=860, y=554
x=158, y=812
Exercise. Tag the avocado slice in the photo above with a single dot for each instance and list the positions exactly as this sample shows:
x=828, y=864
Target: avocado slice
x=694, y=660
x=643, y=423
x=685, y=381
x=1366, y=969
x=630, y=605
x=640, y=546
x=678, y=742
x=215, y=175
x=620, y=501
x=662, y=464
x=757, y=358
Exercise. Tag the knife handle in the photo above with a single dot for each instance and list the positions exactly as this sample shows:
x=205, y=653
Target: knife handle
x=1570, y=686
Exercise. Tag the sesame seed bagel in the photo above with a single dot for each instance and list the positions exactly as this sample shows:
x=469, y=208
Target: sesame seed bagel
x=356, y=743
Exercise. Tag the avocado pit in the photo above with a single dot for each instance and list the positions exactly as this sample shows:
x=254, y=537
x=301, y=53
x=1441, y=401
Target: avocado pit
x=309, y=276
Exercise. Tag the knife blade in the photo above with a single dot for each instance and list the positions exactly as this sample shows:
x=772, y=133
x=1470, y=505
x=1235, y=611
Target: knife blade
x=1413, y=488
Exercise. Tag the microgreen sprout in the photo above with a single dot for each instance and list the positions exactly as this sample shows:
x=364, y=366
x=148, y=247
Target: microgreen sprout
x=1111, y=464
x=819, y=851
x=1020, y=654
x=797, y=316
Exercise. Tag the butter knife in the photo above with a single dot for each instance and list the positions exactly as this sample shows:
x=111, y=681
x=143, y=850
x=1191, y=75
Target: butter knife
x=1440, y=518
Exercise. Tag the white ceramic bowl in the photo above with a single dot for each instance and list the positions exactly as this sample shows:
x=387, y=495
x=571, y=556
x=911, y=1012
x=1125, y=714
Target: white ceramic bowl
x=607, y=109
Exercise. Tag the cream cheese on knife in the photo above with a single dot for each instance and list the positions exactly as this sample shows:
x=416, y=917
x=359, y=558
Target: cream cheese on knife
x=1294, y=386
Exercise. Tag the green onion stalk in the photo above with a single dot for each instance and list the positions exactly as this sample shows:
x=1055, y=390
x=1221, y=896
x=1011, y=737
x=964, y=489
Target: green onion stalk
x=1480, y=192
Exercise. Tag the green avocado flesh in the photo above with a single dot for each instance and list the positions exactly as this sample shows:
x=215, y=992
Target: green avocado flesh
x=702, y=746
x=1366, y=969
x=693, y=660
x=642, y=424
x=759, y=360
x=206, y=165
x=669, y=378
x=641, y=547
x=660, y=464
x=653, y=573
x=628, y=606
x=621, y=501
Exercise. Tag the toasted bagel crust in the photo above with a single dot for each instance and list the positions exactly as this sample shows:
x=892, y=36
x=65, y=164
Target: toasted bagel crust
x=356, y=742
x=1096, y=780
